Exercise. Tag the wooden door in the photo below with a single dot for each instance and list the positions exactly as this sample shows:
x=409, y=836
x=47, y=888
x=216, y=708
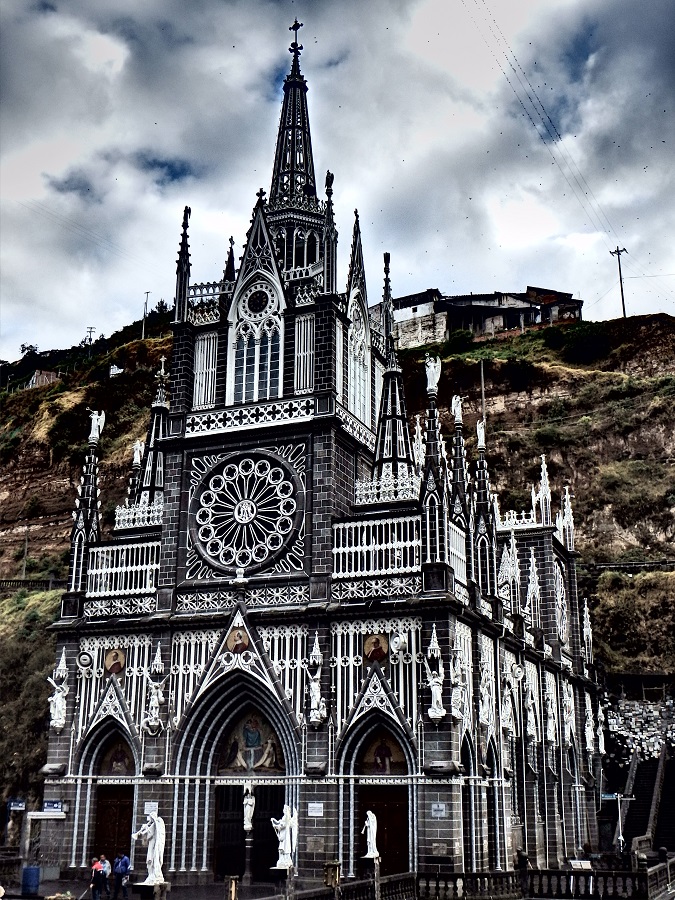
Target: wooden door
x=390, y=805
x=114, y=820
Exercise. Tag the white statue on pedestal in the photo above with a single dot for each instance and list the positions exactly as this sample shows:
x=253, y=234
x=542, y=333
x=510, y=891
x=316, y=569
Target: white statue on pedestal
x=249, y=806
x=152, y=723
x=97, y=423
x=435, y=682
x=153, y=834
x=370, y=830
x=57, y=704
x=317, y=712
x=287, y=832
x=432, y=365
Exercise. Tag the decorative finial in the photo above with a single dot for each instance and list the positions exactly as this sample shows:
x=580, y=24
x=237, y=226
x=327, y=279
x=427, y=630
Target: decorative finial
x=231, y=243
x=295, y=48
x=261, y=195
x=329, y=183
x=187, y=212
x=162, y=373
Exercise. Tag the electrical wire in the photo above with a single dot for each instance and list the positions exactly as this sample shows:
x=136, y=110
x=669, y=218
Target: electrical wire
x=582, y=192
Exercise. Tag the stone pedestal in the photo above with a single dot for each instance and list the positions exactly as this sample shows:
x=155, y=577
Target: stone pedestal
x=247, y=878
x=151, y=891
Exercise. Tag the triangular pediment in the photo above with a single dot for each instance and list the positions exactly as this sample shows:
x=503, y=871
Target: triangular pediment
x=259, y=254
x=113, y=705
x=240, y=649
x=376, y=696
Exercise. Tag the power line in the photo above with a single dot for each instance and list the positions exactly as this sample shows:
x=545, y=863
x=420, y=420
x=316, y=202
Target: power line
x=583, y=193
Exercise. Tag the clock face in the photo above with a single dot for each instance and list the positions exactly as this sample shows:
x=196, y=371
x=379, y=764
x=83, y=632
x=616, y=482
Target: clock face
x=258, y=302
x=246, y=511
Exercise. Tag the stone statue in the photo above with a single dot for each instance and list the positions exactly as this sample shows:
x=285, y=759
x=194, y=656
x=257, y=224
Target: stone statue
x=139, y=447
x=317, y=713
x=530, y=716
x=458, y=680
x=97, y=423
x=152, y=722
x=370, y=830
x=601, y=730
x=249, y=806
x=485, y=699
x=432, y=365
x=480, y=432
x=435, y=683
x=589, y=729
x=287, y=832
x=153, y=834
x=456, y=409
x=57, y=704
x=551, y=720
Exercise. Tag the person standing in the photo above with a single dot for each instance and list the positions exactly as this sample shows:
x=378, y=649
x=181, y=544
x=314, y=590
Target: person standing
x=97, y=883
x=121, y=875
x=107, y=869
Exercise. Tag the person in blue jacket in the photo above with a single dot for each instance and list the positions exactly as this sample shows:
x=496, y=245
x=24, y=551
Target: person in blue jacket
x=121, y=875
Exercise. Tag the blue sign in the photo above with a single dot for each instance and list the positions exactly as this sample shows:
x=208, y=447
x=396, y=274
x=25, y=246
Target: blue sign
x=609, y=796
x=52, y=806
x=14, y=805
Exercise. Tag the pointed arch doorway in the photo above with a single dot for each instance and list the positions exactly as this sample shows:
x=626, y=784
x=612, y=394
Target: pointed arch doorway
x=250, y=748
x=114, y=802
x=381, y=754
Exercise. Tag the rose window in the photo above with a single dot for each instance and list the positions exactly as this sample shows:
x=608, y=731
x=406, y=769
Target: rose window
x=245, y=511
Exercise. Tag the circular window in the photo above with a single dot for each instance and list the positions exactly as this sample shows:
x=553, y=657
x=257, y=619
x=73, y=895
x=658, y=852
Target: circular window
x=258, y=302
x=246, y=511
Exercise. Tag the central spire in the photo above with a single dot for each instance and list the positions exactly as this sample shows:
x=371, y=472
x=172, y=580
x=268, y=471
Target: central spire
x=293, y=177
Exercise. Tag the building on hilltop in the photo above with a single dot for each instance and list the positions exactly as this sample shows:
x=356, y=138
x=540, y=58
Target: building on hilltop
x=430, y=317
x=302, y=596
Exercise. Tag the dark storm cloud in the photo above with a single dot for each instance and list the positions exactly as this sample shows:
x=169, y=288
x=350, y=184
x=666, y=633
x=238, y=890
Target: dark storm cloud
x=147, y=109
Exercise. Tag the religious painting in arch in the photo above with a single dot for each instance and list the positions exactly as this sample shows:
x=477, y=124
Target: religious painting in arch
x=117, y=759
x=381, y=754
x=251, y=746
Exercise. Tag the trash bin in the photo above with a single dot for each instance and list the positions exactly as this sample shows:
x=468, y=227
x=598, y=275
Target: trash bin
x=30, y=881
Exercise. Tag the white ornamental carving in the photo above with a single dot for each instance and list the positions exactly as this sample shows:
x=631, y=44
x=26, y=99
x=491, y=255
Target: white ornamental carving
x=245, y=510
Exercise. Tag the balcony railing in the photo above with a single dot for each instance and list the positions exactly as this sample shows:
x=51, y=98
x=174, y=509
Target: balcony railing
x=376, y=547
x=123, y=569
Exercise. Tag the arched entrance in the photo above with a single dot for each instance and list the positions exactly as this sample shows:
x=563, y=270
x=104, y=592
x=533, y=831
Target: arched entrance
x=251, y=748
x=114, y=802
x=239, y=731
x=380, y=755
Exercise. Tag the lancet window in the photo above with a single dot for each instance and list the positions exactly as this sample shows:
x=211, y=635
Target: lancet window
x=358, y=362
x=206, y=355
x=304, y=353
x=257, y=348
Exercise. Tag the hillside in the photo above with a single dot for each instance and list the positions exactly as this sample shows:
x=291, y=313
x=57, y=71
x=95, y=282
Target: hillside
x=596, y=398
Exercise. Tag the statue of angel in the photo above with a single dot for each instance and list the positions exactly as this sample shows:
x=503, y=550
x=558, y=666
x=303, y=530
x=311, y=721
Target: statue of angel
x=154, y=834
x=97, y=423
x=432, y=365
x=57, y=704
x=435, y=682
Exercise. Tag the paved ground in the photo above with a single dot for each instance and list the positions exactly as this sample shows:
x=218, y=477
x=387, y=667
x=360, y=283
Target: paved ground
x=218, y=891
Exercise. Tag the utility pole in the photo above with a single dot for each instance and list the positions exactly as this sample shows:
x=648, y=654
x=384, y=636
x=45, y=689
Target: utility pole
x=618, y=253
x=90, y=332
x=145, y=314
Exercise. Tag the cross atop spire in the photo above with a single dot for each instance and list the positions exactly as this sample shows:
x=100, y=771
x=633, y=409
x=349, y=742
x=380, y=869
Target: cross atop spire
x=296, y=48
x=293, y=177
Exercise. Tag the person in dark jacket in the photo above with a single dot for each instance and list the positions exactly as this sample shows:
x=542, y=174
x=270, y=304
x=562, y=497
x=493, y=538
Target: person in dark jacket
x=97, y=883
x=121, y=875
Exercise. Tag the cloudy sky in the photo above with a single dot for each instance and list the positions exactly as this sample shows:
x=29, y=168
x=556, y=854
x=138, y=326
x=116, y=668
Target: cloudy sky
x=488, y=144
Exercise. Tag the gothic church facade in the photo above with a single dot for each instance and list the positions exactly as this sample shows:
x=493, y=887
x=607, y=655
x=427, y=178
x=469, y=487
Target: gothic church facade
x=303, y=594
